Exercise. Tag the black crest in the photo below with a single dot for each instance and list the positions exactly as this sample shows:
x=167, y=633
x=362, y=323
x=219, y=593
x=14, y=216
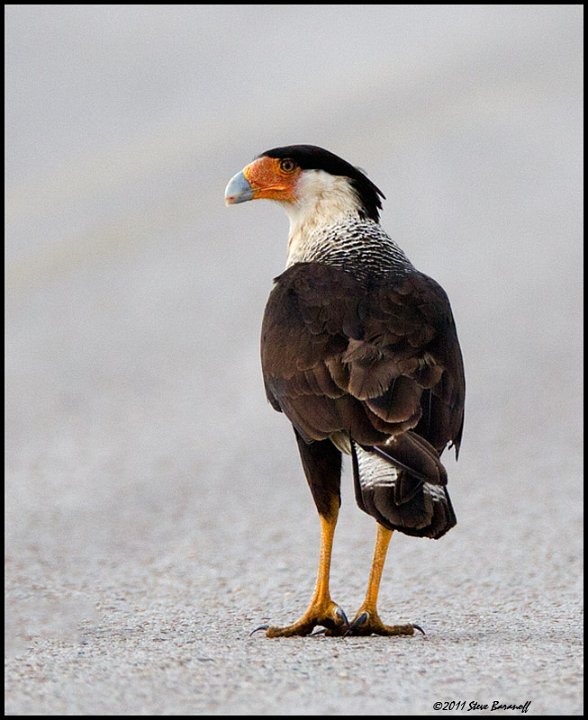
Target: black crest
x=311, y=157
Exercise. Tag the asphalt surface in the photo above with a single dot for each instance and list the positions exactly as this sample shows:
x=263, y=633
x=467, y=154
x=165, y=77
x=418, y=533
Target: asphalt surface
x=156, y=511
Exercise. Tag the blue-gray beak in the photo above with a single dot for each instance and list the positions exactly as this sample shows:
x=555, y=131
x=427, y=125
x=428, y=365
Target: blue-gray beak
x=238, y=190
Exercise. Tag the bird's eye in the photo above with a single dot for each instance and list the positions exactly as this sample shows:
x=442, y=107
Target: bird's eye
x=287, y=165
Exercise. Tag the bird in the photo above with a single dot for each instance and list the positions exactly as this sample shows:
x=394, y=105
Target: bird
x=359, y=350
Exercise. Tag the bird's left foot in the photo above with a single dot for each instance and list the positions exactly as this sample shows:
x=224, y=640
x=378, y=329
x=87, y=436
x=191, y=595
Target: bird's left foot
x=369, y=623
x=325, y=613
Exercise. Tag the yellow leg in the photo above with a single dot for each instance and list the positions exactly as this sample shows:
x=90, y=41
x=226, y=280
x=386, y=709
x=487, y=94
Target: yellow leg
x=322, y=610
x=367, y=620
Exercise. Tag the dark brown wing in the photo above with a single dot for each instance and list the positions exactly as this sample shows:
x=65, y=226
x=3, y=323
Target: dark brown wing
x=372, y=359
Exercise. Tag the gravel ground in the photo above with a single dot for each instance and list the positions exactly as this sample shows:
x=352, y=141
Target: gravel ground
x=156, y=510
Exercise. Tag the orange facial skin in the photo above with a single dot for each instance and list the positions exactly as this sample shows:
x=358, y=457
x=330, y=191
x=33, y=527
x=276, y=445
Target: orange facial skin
x=273, y=179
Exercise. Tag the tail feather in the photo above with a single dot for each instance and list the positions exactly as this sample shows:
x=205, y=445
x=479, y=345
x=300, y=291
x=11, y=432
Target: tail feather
x=402, y=485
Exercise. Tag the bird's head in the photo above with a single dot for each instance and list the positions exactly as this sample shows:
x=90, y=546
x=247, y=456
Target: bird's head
x=305, y=178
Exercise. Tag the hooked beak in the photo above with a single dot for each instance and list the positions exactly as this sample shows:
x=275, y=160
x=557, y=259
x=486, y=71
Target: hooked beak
x=238, y=190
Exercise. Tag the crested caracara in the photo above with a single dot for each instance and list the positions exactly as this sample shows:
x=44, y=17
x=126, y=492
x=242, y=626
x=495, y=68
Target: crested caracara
x=359, y=350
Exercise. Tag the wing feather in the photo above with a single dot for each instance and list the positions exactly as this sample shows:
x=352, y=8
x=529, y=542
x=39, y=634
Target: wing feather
x=371, y=359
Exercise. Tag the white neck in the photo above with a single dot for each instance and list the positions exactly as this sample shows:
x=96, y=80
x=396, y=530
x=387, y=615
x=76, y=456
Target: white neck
x=323, y=199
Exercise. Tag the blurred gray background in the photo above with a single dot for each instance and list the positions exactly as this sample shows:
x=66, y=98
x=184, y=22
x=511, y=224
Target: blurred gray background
x=156, y=510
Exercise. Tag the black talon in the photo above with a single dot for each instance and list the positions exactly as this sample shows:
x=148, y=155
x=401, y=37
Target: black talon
x=359, y=620
x=338, y=630
x=341, y=613
x=419, y=628
x=261, y=627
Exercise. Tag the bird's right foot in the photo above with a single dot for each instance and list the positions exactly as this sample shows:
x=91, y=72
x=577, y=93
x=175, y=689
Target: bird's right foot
x=369, y=623
x=326, y=614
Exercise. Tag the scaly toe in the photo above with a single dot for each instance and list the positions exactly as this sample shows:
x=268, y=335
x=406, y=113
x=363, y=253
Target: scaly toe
x=330, y=616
